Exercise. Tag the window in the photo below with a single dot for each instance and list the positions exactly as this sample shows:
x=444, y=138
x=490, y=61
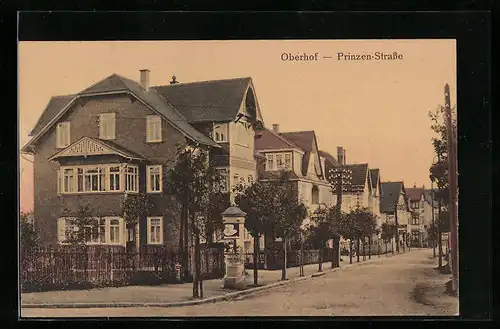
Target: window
x=107, y=126
x=63, y=135
x=114, y=231
x=269, y=162
x=131, y=179
x=220, y=132
x=101, y=178
x=288, y=160
x=95, y=179
x=154, y=182
x=315, y=195
x=222, y=179
x=68, y=180
x=153, y=128
x=155, y=235
x=250, y=179
x=280, y=161
x=102, y=230
x=114, y=178
x=415, y=218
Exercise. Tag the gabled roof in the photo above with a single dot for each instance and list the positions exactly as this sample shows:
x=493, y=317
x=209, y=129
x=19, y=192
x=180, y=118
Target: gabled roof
x=118, y=84
x=55, y=105
x=374, y=174
x=390, y=196
x=359, y=176
x=415, y=193
x=197, y=103
x=305, y=140
x=268, y=140
x=88, y=146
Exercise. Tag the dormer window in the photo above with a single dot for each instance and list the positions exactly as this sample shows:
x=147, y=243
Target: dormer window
x=63, y=135
x=107, y=126
x=220, y=132
x=153, y=129
x=278, y=161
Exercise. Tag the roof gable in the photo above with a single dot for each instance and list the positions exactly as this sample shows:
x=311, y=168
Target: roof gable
x=415, y=193
x=268, y=140
x=306, y=140
x=374, y=176
x=55, y=105
x=391, y=192
x=359, y=177
x=196, y=101
x=88, y=146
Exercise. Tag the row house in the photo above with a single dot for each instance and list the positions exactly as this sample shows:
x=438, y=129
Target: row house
x=394, y=202
x=119, y=137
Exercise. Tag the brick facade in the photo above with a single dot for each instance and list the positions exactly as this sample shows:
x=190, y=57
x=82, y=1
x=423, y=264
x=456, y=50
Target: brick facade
x=130, y=134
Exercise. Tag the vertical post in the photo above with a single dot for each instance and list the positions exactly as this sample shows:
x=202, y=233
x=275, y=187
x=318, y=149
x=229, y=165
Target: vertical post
x=397, y=227
x=301, y=269
x=453, y=189
x=440, y=242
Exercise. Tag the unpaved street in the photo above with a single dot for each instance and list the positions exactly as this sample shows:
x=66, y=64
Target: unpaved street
x=405, y=284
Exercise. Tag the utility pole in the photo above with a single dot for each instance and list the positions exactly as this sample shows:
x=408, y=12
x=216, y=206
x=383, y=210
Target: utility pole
x=440, y=240
x=397, y=226
x=433, y=222
x=453, y=189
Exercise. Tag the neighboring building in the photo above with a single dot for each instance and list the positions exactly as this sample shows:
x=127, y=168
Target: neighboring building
x=298, y=154
x=420, y=217
x=119, y=137
x=394, y=201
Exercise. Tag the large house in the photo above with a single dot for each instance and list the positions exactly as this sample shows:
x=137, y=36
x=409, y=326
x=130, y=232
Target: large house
x=297, y=153
x=118, y=137
x=394, y=203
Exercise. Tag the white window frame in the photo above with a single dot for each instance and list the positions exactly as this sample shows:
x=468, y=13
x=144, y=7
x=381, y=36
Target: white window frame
x=107, y=125
x=62, y=226
x=149, y=226
x=134, y=178
x=288, y=161
x=156, y=176
x=80, y=173
x=63, y=134
x=270, y=162
x=153, y=129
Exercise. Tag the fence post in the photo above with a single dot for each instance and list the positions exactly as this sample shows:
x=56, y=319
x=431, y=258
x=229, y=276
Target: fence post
x=111, y=265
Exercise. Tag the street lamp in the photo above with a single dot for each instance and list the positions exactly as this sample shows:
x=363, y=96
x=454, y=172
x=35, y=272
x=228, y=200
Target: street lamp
x=341, y=179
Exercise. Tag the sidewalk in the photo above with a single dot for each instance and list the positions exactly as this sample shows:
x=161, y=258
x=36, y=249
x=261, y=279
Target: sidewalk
x=167, y=293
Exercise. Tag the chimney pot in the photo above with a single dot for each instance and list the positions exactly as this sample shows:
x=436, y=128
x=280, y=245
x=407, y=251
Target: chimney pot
x=174, y=80
x=145, y=78
x=276, y=128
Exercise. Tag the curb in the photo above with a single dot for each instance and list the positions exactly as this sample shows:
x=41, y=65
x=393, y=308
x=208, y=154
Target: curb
x=225, y=297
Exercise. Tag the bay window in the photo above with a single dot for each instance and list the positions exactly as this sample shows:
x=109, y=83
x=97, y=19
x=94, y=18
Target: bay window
x=278, y=161
x=98, y=178
x=269, y=162
x=105, y=230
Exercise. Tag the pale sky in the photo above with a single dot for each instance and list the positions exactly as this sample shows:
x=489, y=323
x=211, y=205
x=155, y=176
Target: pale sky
x=376, y=110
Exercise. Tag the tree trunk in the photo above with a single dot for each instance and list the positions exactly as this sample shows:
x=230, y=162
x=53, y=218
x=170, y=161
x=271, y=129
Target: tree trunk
x=256, y=250
x=364, y=248
x=369, y=247
x=195, y=259
x=393, y=240
x=283, y=268
x=301, y=257
x=357, y=250
x=199, y=275
x=350, y=251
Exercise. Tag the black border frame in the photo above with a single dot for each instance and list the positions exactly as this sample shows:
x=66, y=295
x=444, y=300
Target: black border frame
x=471, y=29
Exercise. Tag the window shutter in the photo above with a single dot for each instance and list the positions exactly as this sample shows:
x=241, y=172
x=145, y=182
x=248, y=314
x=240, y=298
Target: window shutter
x=112, y=126
x=66, y=134
x=162, y=220
x=149, y=129
x=61, y=230
x=59, y=181
x=123, y=231
x=148, y=230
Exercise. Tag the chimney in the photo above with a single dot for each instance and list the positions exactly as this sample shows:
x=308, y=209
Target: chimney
x=145, y=79
x=276, y=128
x=174, y=80
x=344, y=157
x=340, y=155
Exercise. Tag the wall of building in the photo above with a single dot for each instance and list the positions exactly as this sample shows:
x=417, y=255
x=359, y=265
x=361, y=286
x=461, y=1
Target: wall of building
x=130, y=134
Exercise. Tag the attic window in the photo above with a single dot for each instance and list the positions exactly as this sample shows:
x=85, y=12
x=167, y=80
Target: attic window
x=107, y=126
x=153, y=128
x=220, y=132
x=63, y=135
